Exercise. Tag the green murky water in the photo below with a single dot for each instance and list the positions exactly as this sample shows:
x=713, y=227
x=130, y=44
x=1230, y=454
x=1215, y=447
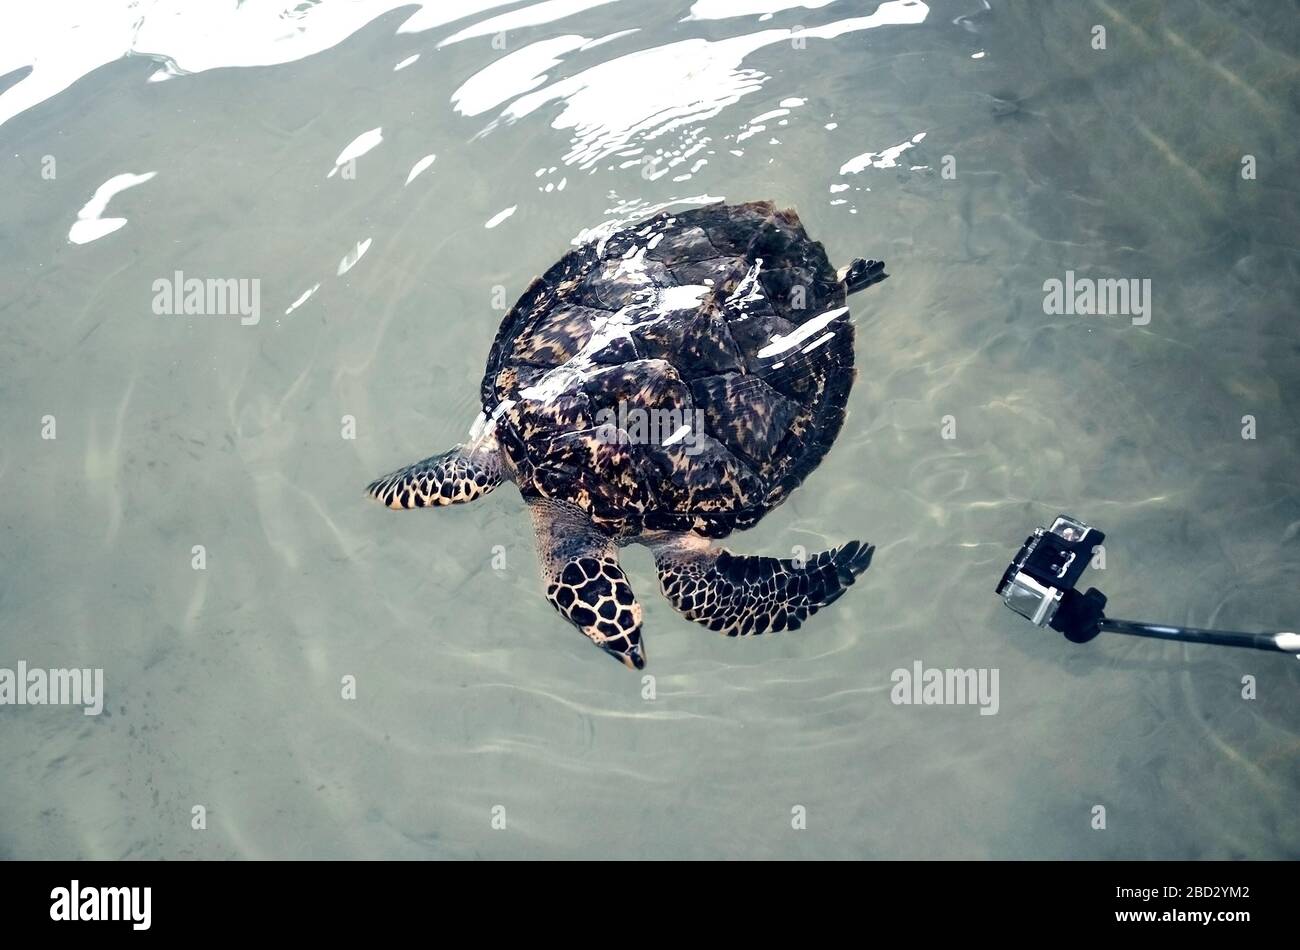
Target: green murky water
x=980, y=149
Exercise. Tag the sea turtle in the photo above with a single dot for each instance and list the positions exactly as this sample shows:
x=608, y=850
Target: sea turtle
x=666, y=385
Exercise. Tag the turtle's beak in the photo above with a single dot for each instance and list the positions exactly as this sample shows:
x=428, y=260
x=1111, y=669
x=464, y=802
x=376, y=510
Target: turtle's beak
x=632, y=656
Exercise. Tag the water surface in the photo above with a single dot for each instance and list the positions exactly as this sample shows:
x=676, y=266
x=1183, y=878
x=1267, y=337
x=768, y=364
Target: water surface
x=981, y=149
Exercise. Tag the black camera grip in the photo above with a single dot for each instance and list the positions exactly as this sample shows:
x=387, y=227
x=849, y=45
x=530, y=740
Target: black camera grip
x=1079, y=616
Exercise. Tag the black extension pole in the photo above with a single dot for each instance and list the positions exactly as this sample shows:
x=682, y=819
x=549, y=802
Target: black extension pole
x=1281, y=642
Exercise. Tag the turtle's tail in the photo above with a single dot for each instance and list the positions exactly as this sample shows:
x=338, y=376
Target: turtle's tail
x=862, y=274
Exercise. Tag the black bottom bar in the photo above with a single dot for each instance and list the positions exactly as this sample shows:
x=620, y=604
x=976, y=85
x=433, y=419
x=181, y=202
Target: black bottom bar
x=1227, y=901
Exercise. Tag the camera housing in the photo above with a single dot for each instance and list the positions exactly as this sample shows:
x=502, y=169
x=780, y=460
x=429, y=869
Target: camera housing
x=1047, y=567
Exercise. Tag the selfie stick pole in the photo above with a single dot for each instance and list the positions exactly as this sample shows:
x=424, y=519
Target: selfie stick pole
x=1081, y=618
x=1282, y=642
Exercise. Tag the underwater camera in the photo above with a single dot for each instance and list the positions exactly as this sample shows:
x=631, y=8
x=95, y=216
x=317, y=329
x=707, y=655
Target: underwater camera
x=1039, y=584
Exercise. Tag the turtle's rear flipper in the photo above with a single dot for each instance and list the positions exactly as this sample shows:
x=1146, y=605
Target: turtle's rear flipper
x=862, y=274
x=452, y=478
x=745, y=595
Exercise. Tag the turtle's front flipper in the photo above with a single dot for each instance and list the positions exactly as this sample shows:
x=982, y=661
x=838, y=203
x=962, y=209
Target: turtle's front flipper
x=584, y=582
x=743, y=595
x=452, y=478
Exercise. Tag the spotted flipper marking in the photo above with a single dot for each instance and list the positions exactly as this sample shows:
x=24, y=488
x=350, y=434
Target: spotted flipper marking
x=448, y=479
x=744, y=596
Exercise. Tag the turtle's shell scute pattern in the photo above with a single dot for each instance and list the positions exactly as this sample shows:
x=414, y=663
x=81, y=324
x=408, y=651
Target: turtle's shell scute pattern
x=674, y=314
